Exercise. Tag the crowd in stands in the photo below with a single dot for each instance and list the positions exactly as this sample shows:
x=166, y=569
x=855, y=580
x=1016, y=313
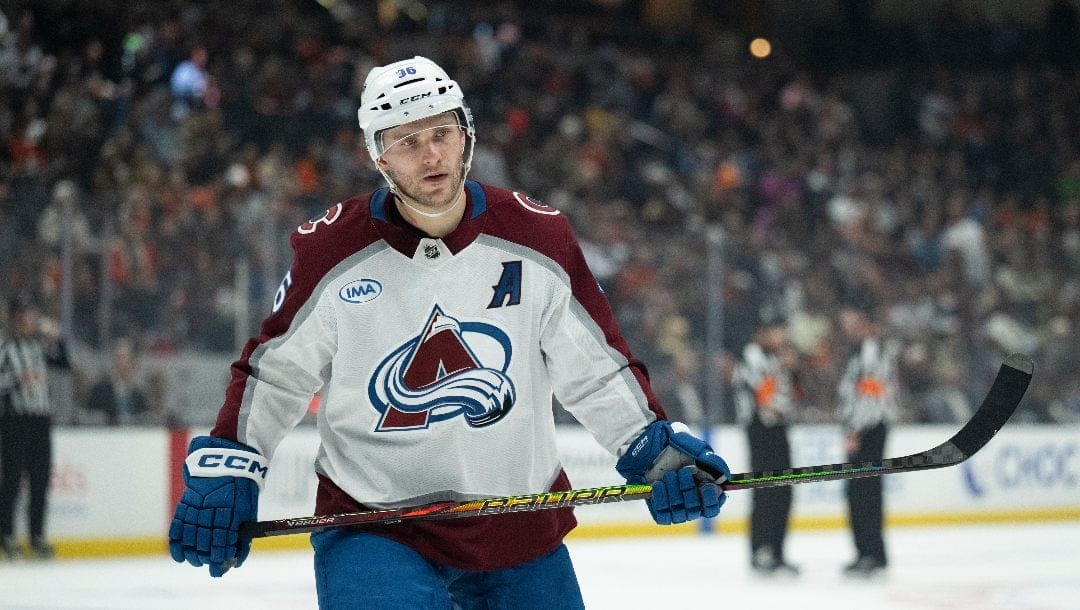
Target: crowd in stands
x=169, y=143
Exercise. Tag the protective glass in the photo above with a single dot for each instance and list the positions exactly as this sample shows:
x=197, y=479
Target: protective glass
x=445, y=139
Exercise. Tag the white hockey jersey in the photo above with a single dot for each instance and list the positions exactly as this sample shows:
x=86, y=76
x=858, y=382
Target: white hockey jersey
x=436, y=361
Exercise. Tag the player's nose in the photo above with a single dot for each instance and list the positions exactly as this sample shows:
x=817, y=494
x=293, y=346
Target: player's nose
x=431, y=152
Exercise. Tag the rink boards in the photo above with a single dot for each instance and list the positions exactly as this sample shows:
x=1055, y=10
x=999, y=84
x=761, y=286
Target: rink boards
x=113, y=490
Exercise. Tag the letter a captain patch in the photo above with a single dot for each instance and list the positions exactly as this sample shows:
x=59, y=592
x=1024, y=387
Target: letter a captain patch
x=508, y=290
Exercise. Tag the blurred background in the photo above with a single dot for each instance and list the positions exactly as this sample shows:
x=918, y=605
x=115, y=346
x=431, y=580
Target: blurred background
x=722, y=163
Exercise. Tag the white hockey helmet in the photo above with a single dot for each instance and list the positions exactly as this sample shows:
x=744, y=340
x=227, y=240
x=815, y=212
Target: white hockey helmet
x=406, y=91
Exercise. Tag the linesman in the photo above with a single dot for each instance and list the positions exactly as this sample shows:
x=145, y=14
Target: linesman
x=868, y=399
x=26, y=422
x=764, y=401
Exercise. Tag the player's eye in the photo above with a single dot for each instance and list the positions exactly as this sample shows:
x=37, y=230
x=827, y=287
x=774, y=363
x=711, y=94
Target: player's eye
x=442, y=133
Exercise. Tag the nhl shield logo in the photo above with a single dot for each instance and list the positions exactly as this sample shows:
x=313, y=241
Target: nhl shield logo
x=450, y=369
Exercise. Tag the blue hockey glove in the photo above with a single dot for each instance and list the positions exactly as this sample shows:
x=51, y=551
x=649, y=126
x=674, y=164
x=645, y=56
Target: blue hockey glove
x=222, y=480
x=683, y=470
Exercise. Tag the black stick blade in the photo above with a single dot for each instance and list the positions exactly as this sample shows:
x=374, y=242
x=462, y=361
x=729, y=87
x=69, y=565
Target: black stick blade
x=1000, y=403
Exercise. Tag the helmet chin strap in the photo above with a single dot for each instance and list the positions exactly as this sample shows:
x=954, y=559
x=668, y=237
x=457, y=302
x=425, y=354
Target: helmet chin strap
x=459, y=199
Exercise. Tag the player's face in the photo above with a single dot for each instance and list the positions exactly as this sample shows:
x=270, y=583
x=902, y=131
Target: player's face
x=424, y=159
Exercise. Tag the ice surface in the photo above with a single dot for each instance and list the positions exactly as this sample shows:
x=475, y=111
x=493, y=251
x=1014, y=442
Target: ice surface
x=1004, y=567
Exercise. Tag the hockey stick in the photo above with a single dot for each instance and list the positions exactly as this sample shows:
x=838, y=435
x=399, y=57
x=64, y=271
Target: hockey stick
x=1000, y=403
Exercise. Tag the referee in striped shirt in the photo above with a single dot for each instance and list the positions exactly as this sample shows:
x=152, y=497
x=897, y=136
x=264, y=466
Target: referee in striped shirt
x=867, y=400
x=765, y=396
x=26, y=422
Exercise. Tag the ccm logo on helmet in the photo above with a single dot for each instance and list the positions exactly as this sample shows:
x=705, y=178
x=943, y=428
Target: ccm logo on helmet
x=415, y=98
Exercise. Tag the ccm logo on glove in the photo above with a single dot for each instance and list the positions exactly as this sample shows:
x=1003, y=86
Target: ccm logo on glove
x=639, y=446
x=225, y=462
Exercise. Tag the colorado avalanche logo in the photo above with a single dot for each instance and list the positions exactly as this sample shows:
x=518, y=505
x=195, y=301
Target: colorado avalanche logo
x=451, y=368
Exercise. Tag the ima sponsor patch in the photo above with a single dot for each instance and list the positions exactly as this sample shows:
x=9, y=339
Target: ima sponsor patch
x=360, y=291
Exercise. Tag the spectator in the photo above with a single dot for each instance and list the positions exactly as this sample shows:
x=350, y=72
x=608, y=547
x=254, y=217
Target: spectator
x=66, y=209
x=118, y=394
x=190, y=83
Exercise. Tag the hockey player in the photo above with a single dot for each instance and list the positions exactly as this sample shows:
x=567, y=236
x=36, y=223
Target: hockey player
x=764, y=401
x=436, y=318
x=867, y=403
